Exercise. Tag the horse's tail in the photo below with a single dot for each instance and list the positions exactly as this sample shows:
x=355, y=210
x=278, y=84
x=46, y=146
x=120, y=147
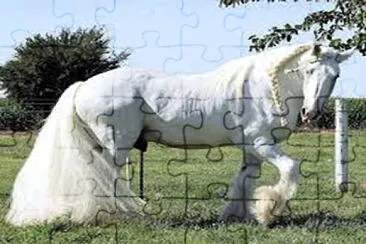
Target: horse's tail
x=64, y=174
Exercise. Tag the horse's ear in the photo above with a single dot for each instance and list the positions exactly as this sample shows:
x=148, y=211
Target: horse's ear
x=340, y=57
x=316, y=49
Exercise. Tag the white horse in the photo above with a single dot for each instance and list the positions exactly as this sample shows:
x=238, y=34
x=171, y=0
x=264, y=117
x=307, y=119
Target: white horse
x=253, y=102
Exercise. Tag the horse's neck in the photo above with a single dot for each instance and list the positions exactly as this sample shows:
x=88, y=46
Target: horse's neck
x=289, y=86
x=291, y=92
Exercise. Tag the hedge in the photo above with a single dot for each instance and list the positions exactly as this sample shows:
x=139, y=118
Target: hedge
x=13, y=116
x=356, y=108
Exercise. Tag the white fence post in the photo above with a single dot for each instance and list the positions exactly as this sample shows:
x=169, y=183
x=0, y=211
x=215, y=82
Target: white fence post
x=341, y=145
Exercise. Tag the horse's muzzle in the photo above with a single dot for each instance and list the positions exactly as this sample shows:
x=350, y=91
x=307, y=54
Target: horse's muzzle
x=308, y=116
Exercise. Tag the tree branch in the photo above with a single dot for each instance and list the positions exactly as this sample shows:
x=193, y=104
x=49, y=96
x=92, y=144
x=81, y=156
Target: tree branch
x=347, y=14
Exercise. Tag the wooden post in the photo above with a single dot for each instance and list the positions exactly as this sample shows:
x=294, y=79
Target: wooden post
x=129, y=177
x=141, y=174
x=128, y=174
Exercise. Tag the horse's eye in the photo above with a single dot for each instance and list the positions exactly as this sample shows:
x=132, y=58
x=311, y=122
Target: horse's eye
x=310, y=71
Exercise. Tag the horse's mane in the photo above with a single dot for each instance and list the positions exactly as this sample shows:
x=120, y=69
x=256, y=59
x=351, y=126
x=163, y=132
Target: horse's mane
x=232, y=73
x=277, y=67
x=275, y=59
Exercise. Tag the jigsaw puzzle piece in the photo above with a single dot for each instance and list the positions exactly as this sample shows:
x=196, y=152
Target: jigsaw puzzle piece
x=62, y=231
x=310, y=162
x=207, y=232
x=150, y=46
x=165, y=195
x=180, y=168
x=16, y=143
x=105, y=119
x=232, y=22
x=348, y=87
x=218, y=187
x=316, y=183
x=189, y=59
x=154, y=14
x=215, y=183
x=196, y=36
x=188, y=135
x=194, y=56
x=59, y=13
x=156, y=107
x=108, y=210
x=17, y=36
x=207, y=193
x=317, y=167
x=307, y=160
x=21, y=17
x=356, y=166
x=6, y=50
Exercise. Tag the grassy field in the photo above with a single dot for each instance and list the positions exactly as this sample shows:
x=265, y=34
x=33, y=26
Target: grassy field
x=185, y=198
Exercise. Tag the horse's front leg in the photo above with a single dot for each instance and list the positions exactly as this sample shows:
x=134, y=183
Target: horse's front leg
x=238, y=206
x=270, y=200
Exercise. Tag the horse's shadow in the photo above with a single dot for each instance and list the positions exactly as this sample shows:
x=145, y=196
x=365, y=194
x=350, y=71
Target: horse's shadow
x=318, y=221
x=315, y=222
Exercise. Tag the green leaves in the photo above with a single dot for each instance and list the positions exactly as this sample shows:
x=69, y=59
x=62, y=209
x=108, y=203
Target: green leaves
x=347, y=15
x=356, y=108
x=273, y=38
x=13, y=116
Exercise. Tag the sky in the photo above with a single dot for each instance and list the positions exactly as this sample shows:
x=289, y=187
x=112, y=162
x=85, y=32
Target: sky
x=187, y=36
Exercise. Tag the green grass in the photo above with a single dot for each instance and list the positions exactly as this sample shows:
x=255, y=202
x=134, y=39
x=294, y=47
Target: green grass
x=317, y=213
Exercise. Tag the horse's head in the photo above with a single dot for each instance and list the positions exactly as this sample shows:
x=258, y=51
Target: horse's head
x=320, y=69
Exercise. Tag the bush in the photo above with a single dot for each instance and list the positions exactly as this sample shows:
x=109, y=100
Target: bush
x=13, y=116
x=356, y=108
x=44, y=66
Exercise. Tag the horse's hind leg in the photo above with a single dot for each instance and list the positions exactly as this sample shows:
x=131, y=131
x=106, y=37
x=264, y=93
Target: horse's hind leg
x=238, y=206
x=115, y=136
x=116, y=132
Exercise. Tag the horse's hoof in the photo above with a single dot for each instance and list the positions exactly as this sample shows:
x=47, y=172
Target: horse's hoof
x=268, y=206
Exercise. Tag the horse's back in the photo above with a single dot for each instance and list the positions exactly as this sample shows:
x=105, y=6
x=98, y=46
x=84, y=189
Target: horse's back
x=157, y=101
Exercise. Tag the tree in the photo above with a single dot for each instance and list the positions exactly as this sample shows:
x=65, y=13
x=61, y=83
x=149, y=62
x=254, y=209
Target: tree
x=45, y=65
x=346, y=14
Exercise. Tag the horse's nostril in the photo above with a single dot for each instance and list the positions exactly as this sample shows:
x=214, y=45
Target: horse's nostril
x=303, y=111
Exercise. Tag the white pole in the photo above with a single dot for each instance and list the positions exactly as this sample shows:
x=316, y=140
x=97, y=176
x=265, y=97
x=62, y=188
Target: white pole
x=341, y=145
